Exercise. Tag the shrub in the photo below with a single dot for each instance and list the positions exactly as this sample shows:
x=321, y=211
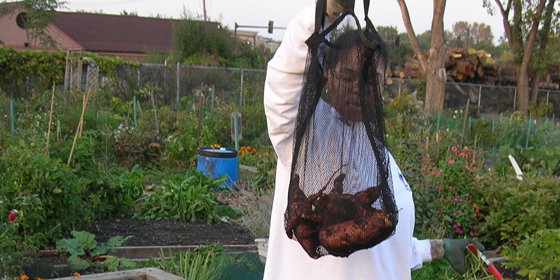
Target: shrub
x=43, y=190
x=513, y=208
x=537, y=255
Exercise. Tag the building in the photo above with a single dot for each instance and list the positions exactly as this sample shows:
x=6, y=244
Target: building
x=128, y=37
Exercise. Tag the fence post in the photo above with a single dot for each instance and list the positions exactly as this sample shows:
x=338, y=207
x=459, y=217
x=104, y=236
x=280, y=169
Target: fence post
x=479, y=97
x=212, y=110
x=400, y=85
x=138, y=82
x=241, y=91
x=493, y=128
x=514, y=99
x=134, y=109
x=547, y=95
x=12, y=126
x=177, y=73
x=528, y=133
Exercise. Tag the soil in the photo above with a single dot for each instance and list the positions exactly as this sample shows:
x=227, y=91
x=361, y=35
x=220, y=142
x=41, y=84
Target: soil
x=170, y=232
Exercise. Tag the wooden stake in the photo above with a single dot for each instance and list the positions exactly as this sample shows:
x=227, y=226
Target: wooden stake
x=84, y=104
x=50, y=119
x=465, y=122
x=84, y=100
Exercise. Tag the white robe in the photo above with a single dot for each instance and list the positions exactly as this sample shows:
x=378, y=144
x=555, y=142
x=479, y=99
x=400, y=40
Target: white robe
x=395, y=257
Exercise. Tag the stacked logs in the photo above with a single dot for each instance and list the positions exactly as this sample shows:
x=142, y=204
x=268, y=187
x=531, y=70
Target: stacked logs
x=462, y=67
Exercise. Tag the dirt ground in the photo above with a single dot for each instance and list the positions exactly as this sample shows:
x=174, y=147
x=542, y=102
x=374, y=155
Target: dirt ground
x=171, y=233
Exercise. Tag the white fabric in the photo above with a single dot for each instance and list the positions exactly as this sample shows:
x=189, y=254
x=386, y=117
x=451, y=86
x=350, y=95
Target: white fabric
x=392, y=259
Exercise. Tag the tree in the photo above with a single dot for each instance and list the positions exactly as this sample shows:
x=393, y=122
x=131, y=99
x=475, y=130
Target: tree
x=521, y=32
x=388, y=33
x=541, y=55
x=433, y=65
x=36, y=16
x=465, y=35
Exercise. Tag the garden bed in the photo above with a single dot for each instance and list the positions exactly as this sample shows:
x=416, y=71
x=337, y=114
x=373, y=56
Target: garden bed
x=171, y=233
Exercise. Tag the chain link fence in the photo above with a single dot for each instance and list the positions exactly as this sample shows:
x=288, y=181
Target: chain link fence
x=180, y=85
x=245, y=87
x=487, y=100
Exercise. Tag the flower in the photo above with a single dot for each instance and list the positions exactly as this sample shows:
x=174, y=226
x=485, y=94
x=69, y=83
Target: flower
x=77, y=275
x=24, y=277
x=38, y=278
x=454, y=149
x=451, y=161
x=13, y=215
x=474, y=228
x=438, y=188
x=458, y=211
x=471, y=234
x=467, y=195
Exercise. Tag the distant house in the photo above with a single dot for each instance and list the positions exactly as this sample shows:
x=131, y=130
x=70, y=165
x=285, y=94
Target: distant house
x=128, y=37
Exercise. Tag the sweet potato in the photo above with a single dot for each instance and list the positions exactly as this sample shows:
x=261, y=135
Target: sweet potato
x=343, y=238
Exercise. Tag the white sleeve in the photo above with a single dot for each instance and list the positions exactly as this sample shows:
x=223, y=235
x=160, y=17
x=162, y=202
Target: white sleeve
x=283, y=83
x=420, y=253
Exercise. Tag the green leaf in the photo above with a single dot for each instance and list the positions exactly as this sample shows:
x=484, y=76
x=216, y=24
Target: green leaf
x=86, y=239
x=117, y=241
x=77, y=264
x=71, y=246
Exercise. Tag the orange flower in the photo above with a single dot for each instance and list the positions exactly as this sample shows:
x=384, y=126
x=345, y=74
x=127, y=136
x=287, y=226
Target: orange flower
x=24, y=277
x=39, y=278
x=77, y=275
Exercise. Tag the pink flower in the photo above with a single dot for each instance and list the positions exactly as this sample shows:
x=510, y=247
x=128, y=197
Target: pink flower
x=13, y=215
x=438, y=188
x=474, y=228
x=466, y=195
x=454, y=214
x=442, y=196
x=437, y=182
x=454, y=149
x=459, y=224
x=439, y=173
x=458, y=211
x=451, y=161
x=410, y=170
x=471, y=234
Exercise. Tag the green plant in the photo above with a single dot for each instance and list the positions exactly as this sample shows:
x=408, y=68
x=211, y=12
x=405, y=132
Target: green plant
x=183, y=198
x=537, y=255
x=266, y=169
x=115, y=192
x=541, y=109
x=44, y=190
x=85, y=253
x=513, y=207
x=202, y=263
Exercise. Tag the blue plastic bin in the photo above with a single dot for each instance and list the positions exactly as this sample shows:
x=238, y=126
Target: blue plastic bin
x=218, y=161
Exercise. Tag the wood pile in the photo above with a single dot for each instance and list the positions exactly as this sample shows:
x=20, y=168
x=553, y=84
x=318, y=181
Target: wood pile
x=474, y=68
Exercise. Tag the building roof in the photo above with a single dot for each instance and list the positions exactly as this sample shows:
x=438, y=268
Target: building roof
x=116, y=33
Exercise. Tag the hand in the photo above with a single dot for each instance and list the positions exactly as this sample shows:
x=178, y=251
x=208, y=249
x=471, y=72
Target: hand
x=455, y=252
x=334, y=8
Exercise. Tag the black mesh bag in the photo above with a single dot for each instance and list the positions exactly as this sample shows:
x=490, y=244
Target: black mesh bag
x=340, y=196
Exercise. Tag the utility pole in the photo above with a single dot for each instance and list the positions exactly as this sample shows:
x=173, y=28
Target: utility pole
x=204, y=9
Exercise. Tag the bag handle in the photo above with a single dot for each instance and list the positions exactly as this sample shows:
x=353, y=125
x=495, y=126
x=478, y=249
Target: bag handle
x=321, y=11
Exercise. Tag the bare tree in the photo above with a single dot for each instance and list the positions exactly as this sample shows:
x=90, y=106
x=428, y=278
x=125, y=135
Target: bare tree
x=433, y=65
x=526, y=17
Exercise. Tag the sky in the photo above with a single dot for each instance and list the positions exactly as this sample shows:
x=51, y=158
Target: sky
x=260, y=12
